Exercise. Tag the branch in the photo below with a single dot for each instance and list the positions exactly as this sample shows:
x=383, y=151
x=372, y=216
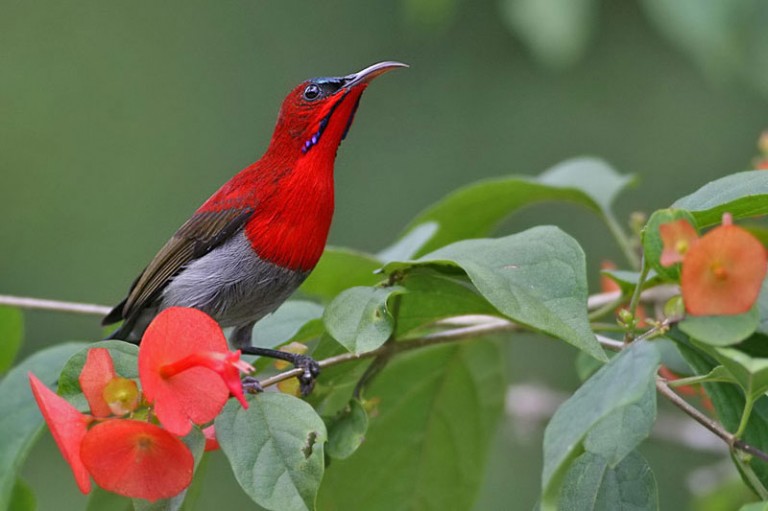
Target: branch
x=713, y=426
x=54, y=305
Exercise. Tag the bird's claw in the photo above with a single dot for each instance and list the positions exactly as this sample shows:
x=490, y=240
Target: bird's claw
x=252, y=385
x=311, y=370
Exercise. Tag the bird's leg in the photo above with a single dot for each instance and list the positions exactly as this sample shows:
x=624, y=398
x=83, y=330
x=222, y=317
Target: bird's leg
x=241, y=339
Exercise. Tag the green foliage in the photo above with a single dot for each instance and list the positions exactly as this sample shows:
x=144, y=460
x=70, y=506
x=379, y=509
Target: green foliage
x=346, y=431
x=276, y=449
x=594, y=484
x=402, y=415
x=475, y=210
x=11, y=335
x=721, y=330
x=615, y=393
x=428, y=439
x=360, y=318
x=536, y=278
x=22, y=497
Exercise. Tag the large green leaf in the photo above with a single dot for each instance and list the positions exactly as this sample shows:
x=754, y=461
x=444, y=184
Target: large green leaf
x=20, y=419
x=474, y=211
x=287, y=321
x=275, y=448
x=536, y=278
x=427, y=442
x=556, y=32
x=432, y=296
x=751, y=373
x=360, y=319
x=11, y=334
x=762, y=308
x=340, y=269
x=621, y=383
x=744, y=194
x=594, y=484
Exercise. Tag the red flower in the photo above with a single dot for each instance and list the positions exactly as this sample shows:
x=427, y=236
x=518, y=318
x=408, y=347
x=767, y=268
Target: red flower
x=678, y=237
x=186, y=369
x=97, y=372
x=137, y=459
x=723, y=272
x=67, y=425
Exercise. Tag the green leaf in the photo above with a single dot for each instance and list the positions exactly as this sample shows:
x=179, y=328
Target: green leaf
x=360, y=319
x=409, y=245
x=346, y=431
x=11, y=335
x=744, y=194
x=557, y=32
x=476, y=210
x=286, y=322
x=751, y=373
x=124, y=357
x=428, y=441
x=755, y=506
x=22, y=497
x=275, y=448
x=594, y=484
x=536, y=278
x=729, y=402
x=20, y=419
x=431, y=296
x=616, y=435
x=622, y=382
x=653, y=246
x=721, y=330
x=340, y=269
x=627, y=280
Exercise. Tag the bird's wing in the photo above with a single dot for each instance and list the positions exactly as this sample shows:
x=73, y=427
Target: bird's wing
x=203, y=232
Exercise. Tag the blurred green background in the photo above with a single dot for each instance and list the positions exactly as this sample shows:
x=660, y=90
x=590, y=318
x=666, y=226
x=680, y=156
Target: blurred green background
x=117, y=119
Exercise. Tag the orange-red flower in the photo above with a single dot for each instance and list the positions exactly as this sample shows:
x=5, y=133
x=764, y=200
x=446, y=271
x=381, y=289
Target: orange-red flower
x=186, y=369
x=723, y=271
x=137, y=459
x=68, y=427
x=211, y=442
x=678, y=237
x=97, y=372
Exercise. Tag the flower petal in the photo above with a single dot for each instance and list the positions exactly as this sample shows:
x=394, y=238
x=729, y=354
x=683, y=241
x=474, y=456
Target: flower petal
x=678, y=237
x=68, y=427
x=723, y=272
x=137, y=459
x=97, y=372
x=197, y=394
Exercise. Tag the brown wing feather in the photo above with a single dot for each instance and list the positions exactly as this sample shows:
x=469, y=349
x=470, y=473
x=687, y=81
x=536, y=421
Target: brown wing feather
x=199, y=235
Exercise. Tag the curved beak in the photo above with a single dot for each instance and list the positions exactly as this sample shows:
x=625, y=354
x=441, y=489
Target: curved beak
x=370, y=72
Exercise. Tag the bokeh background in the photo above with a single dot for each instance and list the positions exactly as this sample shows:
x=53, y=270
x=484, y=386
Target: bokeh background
x=117, y=119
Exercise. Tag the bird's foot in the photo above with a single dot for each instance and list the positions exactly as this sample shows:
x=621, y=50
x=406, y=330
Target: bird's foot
x=251, y=385
x=311, y=370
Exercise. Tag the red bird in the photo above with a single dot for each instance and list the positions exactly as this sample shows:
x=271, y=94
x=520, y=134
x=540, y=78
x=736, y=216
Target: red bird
x=255, y=240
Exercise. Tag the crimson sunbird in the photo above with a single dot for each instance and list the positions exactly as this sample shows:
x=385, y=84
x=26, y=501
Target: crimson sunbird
x=255, y=240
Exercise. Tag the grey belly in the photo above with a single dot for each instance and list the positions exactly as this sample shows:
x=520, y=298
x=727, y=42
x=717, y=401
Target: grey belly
x=232, y=284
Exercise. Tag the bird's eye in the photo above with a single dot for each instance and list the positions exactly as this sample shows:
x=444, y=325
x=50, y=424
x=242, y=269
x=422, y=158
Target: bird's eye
x=312, y=92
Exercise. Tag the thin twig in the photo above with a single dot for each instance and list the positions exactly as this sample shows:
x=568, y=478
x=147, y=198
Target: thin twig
x=710, y=424
x=54, y=305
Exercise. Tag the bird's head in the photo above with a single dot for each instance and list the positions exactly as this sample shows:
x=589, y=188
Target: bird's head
x=316, y=115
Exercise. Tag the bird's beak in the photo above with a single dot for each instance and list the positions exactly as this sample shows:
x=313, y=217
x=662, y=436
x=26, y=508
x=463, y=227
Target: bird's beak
x=369, y=73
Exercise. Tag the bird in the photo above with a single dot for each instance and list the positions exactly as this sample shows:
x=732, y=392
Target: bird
x=256, y=239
